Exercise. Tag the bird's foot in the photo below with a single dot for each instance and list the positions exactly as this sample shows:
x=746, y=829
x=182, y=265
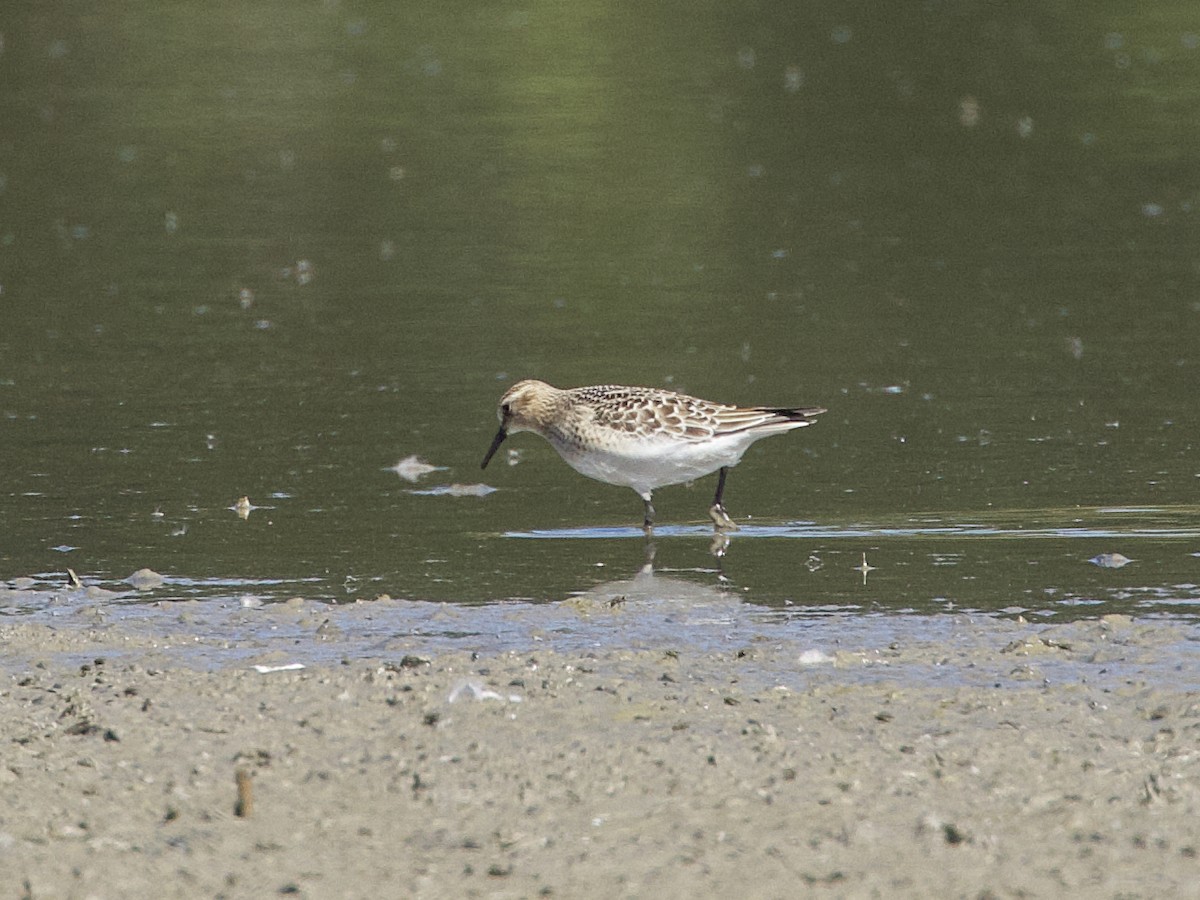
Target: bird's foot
x=721, y=520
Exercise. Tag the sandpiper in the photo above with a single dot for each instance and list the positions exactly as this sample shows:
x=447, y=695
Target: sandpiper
x=643, y=438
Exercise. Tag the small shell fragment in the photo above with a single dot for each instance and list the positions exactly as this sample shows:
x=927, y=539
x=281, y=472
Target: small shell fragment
x=1110, y=560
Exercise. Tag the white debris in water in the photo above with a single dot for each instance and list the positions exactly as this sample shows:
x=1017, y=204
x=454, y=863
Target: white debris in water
x=477, y=691
x=145, y=580
x=814, y=658
x=413, y=468
x=1110, y=560
x=457, y=490
x=243, y=507
x=288, y=667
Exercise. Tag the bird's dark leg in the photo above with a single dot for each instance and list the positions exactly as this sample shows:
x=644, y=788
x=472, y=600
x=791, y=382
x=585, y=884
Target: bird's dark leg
x=721, y=520
x=720, y=485
x=648, y=524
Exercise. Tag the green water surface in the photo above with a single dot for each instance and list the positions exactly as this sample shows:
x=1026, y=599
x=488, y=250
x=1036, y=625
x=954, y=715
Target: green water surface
x=271, y=249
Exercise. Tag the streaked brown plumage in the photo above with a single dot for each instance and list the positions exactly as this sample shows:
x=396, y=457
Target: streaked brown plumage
x=643, y=438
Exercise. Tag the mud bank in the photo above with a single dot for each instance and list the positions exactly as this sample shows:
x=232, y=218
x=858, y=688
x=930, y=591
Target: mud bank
x=615, y=773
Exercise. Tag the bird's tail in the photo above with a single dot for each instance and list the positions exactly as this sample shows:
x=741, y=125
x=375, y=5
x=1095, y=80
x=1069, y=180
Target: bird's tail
x=796, y=413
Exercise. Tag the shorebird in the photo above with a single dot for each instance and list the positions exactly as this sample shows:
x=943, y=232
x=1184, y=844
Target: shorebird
x=643, y=438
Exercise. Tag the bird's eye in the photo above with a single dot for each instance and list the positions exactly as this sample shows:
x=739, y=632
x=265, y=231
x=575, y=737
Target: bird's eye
x=505, y=408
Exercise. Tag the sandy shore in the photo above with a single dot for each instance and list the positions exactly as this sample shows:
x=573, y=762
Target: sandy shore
x=635, y=773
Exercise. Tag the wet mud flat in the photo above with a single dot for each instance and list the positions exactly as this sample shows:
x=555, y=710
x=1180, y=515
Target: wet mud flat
x=1065, y=763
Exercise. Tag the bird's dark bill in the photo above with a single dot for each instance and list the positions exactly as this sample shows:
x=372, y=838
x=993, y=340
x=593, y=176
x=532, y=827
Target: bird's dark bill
x=496, y=442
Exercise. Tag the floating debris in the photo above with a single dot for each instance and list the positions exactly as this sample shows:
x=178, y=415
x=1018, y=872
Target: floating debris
x=457, y=490
x=145, y=580
x=87, y=592
x=969, y=111
x=287, y=667
x=476, y=691
x=413, y=468
x=865, y=568
x=1110, y=560
x=814, y=658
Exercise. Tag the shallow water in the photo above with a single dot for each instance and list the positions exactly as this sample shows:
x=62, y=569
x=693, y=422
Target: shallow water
x=272, y=252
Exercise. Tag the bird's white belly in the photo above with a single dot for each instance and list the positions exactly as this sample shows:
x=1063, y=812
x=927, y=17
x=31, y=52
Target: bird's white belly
x=653, y=467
